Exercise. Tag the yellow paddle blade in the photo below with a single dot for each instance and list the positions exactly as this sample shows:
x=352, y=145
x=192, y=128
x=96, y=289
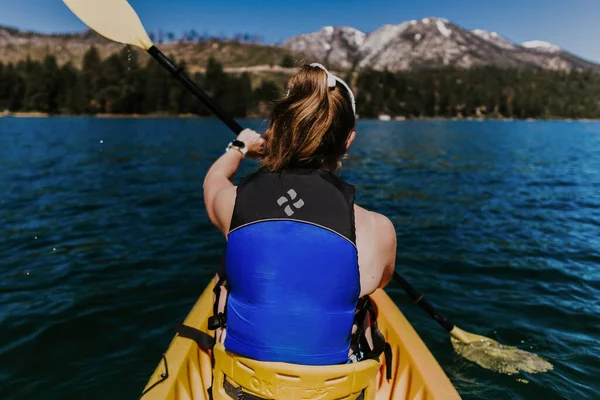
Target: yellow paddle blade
x=490, y=354
x=114, y=19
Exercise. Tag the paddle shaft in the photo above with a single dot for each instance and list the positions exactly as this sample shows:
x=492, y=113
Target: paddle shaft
x=192, y=87
x=159, y=56
x=422, y=302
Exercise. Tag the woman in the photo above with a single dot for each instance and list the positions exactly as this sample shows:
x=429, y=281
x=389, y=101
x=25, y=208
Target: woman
x=300, y=253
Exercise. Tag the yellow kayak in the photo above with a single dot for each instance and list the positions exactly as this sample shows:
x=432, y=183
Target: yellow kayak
x=186, y=371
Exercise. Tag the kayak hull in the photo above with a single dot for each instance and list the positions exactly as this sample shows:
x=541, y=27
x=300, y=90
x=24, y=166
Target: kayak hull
x=186, y=372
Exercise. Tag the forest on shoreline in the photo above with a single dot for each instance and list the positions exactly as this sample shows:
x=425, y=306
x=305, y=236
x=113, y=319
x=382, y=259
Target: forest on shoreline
x=122, y=85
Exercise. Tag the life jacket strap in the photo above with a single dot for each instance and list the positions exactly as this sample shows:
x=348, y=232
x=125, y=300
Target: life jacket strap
x=237, y=392
x=202, y=339
x=219, y=318
x=367, y=316
x=388, y=361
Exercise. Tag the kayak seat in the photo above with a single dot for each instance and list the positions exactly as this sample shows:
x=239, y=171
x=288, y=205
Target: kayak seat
x=243, y=378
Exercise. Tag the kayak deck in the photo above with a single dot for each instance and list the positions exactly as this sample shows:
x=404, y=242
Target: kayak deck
x=415, y=372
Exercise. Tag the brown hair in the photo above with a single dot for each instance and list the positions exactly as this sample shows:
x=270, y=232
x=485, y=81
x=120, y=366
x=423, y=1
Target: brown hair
x=310, y=126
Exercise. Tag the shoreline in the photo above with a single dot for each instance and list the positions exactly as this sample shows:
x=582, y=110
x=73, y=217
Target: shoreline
x=34, y=114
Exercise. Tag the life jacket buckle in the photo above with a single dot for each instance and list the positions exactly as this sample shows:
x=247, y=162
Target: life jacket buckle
x=217, y=321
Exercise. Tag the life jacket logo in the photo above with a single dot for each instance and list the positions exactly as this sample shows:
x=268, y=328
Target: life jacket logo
x=288, y=209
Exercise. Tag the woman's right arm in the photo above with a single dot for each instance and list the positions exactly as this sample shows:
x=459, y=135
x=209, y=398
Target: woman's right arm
x=219, y=191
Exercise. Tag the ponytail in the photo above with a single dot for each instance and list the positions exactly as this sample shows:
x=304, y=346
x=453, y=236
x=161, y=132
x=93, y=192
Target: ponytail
x=310, y=126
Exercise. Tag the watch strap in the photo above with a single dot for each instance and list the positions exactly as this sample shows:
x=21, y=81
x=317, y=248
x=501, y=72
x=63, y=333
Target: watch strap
x=237, y=145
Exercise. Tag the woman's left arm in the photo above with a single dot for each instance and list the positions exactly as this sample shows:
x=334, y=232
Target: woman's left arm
x=219, y=191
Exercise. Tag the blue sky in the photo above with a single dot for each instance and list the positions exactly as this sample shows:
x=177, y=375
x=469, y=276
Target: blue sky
x=570, y=24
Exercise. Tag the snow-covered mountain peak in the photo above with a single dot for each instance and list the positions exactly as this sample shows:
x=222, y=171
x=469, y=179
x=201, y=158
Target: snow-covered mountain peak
x=354, y=36
x=327, y=30
x=442, y=25
x=484, y=34
x=386, y=32
x=430, y=42
x=332, y=45
x=429, y=20
x=494, y=38
x=541, y=46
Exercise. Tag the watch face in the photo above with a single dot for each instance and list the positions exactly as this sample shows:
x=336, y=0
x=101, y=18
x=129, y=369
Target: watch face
x=238, y=143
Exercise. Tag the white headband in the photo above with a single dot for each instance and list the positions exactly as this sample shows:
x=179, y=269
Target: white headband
x=331, y=82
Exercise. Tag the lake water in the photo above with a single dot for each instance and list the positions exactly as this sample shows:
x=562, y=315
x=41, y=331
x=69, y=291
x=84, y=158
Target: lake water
x=105, y=245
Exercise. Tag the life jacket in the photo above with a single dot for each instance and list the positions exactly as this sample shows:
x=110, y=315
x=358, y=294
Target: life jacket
x=292, y=267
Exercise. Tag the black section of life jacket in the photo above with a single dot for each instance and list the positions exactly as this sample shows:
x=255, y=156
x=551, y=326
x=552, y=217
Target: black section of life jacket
x=321, y=198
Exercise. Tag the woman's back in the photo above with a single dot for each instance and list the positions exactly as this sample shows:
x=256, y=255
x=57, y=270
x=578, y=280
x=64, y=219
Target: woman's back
x=292, y=264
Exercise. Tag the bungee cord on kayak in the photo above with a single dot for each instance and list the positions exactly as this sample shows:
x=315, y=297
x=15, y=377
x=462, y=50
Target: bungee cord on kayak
x=163, y=377
x=116, y=20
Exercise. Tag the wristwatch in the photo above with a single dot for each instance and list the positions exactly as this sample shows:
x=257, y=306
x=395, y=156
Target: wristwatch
x=239, y=146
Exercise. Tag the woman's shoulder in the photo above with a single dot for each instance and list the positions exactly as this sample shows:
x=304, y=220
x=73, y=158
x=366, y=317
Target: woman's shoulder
x=376, y=228
x=376, y=240
x=374, y=220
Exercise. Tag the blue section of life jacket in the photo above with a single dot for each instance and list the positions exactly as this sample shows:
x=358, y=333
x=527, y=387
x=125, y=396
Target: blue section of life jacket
x=294, y=288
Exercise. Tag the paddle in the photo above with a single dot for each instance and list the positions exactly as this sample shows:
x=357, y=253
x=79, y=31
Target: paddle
x=482, y=350
x=117, y=21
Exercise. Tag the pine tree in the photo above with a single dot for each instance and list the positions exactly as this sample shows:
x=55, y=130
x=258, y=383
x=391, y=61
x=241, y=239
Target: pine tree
x=132, y=83
x=180, y=100
x=111, y=94
x=216, y=80
x=69, y=79
x=265, y=95
x=156, y=88
x=93, y=81
x=288, y=61
x=5, y=88
x=17, y=88
x=242, y=100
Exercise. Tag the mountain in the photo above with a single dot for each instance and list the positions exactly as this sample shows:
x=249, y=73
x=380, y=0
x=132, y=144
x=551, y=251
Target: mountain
x=334, y=46
x=17, y=45
x=426, y=43
x=433, y=42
